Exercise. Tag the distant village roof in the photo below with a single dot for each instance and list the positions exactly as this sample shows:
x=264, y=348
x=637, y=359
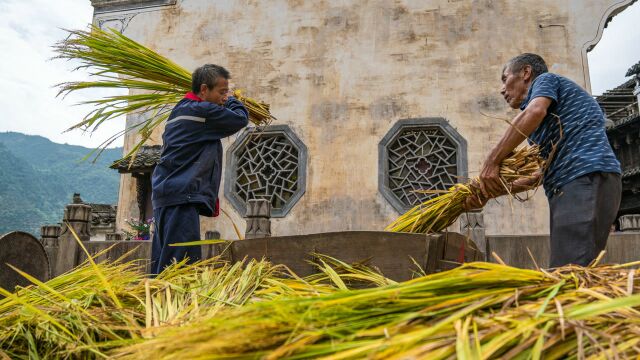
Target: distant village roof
x=634, y=70
x=627, y=173
x=618, y=103
x=103, y=217
x=144, y=161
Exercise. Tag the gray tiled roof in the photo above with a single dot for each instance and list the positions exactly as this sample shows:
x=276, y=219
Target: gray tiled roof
x=144, y=161
x=630, y=172
x=616, y=102
x=634, y=118
x=635, y=69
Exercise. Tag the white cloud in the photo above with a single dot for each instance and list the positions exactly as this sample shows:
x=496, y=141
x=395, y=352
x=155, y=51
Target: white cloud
x=29, y=105
x=616, y=52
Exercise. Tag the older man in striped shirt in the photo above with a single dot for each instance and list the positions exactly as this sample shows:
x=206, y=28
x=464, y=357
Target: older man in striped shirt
x=582, y=182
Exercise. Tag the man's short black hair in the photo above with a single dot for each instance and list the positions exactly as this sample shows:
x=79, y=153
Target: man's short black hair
x=538, y=66
x=207, y=74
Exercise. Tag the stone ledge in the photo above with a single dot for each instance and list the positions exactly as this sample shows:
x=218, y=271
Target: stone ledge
x=630, y=222
x=105, y=6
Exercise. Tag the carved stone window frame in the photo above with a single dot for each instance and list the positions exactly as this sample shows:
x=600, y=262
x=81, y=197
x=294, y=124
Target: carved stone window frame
x=231, y=167
x=416, y=124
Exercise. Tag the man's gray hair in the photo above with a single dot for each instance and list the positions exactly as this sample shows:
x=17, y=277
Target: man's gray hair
x=538, y=66
x=207, y=74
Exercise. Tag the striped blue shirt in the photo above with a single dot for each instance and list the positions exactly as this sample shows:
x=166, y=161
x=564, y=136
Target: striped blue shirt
x=583, y=147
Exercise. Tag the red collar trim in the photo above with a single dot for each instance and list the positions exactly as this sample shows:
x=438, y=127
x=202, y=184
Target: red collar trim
x=191, y=96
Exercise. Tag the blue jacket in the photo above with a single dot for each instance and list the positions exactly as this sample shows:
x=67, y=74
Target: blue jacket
x=190, y=166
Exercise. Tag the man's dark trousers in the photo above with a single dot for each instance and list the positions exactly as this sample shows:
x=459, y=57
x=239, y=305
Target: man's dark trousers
x=582, y=213
x=174, y=224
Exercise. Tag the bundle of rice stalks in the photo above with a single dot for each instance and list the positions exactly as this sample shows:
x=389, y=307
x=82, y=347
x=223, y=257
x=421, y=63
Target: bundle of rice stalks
x=477, y=311
x=76, y=314
x=438, y=213
x=259, y=113
x=73, y=314
x=157, y=83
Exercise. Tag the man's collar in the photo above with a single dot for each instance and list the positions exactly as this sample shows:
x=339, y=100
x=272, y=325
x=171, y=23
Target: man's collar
x=526, y=100
x=191, y=96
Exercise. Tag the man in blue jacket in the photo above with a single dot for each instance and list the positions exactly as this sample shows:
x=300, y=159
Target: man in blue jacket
x=582, y=182
x=186, y=181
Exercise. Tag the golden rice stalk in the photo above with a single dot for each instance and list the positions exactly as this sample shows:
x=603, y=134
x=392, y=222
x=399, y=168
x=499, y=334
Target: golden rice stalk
x=256, y=310
x=80, y=315
x=259, y=113
x=436, y=214
x=476, y=311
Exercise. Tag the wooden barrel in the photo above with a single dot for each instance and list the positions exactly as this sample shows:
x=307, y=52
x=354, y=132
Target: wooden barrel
x=24, y=252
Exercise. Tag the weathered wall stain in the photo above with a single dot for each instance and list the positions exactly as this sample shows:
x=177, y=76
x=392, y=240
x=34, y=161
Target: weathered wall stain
x=491, y=103
x=388, y=107
x=328, y=112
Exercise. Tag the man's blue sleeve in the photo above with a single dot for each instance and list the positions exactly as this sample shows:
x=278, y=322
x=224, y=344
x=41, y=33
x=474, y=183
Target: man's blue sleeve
x=545, y=85
x=228, y=119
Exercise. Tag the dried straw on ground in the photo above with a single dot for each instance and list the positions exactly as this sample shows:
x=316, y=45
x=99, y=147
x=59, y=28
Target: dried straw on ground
x=436, y=214
x=478, y=311
x=156, y=83
x=95, y=308
x=217, y=310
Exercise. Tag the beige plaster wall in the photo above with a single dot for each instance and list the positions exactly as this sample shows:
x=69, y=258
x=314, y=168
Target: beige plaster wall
x=341, y=73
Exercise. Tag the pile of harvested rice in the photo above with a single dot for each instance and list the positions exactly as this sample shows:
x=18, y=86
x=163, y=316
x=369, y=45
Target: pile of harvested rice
x=256, y=310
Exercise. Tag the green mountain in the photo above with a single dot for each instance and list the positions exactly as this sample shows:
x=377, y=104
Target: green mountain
x=39, y=177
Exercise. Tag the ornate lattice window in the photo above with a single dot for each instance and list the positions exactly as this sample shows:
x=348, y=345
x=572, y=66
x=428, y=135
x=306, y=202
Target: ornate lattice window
x=269, y=165
x=420, y=154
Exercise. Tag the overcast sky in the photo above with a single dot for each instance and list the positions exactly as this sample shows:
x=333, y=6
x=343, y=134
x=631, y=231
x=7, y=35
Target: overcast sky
x=617, y=51
x=28, y=102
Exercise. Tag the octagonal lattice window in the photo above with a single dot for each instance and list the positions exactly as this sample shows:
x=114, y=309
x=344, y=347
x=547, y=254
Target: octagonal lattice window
x=266, y=164
x=420, y=154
